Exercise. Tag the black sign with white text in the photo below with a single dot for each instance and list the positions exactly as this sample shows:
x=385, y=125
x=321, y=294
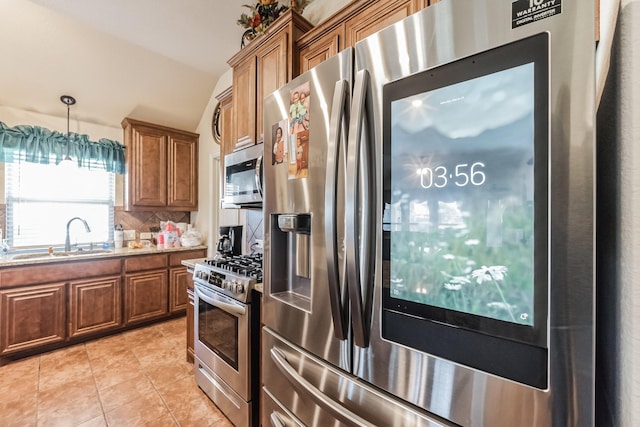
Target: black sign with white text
x=527, y=11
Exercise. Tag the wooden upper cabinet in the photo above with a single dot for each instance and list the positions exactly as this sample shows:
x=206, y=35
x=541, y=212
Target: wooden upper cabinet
x=321, y=49
x=380, y=15
x=244, y=94
x=272, y=73
x=162, y=167
x=266, y=64
x=182, y=182
x=227, y=139
x=147, y=158
x=354, y=22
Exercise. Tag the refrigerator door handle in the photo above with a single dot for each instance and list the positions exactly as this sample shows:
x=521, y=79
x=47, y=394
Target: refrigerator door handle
x=360, y=198
x=308, y=389
x=336, y=154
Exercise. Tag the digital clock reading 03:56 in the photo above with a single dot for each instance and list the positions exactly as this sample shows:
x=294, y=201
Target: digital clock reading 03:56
x=461, y=175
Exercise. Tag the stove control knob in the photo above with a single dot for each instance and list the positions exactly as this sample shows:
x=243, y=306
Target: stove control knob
x=225, y=284
x=239, y=288
x=230, y=286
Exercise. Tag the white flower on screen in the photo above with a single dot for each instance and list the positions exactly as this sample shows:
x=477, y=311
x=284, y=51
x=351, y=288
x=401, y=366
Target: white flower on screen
x=484, y=273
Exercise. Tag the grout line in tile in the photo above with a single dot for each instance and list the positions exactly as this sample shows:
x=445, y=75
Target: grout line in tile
x=95, y=384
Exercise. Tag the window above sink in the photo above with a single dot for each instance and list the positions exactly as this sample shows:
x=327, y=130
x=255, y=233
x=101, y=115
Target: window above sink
x=40, y=200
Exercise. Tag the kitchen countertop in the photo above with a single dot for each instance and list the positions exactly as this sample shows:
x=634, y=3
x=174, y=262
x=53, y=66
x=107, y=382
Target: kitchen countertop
x=191, y=263
x=7, y=260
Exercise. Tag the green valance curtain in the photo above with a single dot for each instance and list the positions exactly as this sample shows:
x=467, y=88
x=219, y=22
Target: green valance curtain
x=39, y=145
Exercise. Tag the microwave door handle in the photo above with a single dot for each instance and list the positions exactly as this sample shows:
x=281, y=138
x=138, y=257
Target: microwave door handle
x=216, y=301
x=335, y=161
x=258, y=176
x=360, y=197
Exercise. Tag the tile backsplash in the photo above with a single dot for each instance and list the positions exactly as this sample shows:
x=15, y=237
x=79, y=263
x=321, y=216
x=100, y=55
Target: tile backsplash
x=141, y=221
x=254, y=229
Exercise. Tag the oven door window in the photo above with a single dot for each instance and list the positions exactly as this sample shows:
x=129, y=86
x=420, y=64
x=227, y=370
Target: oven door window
x=218, y=330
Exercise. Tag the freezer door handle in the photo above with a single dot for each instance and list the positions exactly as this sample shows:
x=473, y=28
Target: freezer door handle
x=335, y=162
x=305, y=387
x=276, y=421
x=360, y=214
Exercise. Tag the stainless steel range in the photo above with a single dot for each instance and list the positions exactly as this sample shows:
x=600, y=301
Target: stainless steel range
x=226, y=332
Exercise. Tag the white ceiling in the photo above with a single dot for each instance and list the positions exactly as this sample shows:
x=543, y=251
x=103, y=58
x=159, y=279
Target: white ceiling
x=154, y=60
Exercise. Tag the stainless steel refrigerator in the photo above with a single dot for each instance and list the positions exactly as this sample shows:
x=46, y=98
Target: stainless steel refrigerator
x=428, y=211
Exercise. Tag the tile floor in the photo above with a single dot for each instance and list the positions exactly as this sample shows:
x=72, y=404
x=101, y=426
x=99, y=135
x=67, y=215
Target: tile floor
x=136, y=378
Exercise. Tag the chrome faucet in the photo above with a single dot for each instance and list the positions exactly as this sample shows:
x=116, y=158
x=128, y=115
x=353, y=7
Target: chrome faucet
x=67, y=242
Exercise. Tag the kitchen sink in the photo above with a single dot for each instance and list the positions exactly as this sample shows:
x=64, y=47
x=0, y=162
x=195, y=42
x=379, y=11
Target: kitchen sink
x=37, y=255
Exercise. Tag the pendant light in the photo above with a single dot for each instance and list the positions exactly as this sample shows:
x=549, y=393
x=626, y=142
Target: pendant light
x=68, y=101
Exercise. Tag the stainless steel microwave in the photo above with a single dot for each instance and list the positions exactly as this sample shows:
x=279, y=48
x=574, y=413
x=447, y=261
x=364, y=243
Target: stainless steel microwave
x=243, y=178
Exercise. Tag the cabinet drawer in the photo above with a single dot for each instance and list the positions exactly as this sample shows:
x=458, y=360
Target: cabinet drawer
x=145, y=262
x=46, y=273
x=175, y=259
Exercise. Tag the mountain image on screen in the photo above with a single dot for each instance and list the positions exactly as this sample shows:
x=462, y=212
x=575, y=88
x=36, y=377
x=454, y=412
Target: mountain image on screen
x=462, y=182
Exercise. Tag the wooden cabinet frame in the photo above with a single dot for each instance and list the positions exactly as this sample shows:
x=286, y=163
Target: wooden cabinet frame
x=94, y=305
x=357, y=20
x=146, y=296
x=267, y=63
x=161, y=168
x=32, y=316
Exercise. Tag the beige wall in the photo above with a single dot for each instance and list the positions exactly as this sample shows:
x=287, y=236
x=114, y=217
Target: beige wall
x=209, y=215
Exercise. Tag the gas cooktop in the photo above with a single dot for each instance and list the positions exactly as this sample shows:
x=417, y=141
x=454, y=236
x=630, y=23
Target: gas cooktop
x=232, y=275
x=243, y=265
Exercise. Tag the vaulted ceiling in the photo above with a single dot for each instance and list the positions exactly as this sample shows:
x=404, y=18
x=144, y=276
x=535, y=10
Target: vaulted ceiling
x=155, y=60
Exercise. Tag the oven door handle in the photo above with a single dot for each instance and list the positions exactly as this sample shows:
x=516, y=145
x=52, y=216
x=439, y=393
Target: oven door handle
x=217, y=301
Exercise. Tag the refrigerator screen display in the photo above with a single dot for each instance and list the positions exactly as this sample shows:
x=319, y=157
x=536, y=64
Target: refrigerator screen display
x=465, y=166
x=461, y=211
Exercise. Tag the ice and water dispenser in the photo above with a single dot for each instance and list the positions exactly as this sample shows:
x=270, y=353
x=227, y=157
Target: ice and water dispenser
x=291, y=259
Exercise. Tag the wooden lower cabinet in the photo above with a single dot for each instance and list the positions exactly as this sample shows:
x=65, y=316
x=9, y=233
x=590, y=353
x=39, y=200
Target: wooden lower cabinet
x=190, y=329
x=94, y=306
x=32, y=316
x=47, y=306
x=178, y=300
x=145, y=296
